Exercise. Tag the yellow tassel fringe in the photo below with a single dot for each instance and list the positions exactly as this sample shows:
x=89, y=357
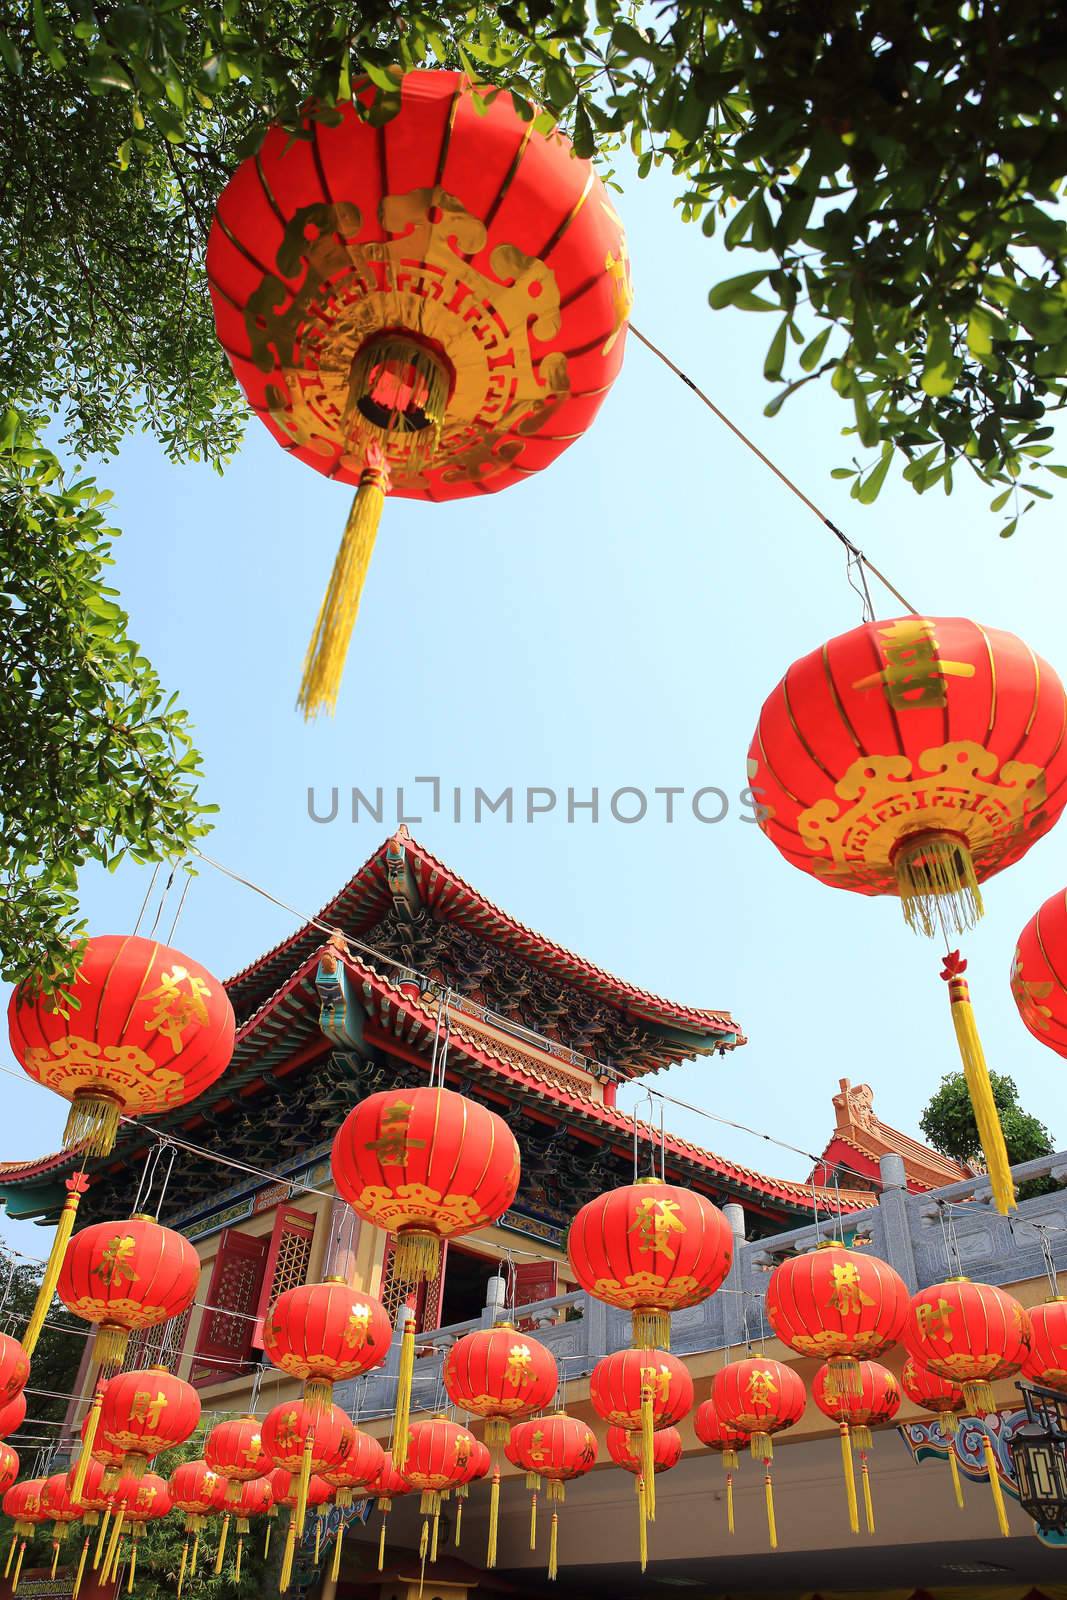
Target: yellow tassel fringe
x=648, y=1450
x=402, y=1414
x=850, y=1479
x=76, y=1186
x=994, y=1484
x=978, y=1085
x=553, y=1547
x=324, y=663
x=957, y=1487
x=494, y=1519
x=729, y=1502
x=868, y=1503
x=772, y=1526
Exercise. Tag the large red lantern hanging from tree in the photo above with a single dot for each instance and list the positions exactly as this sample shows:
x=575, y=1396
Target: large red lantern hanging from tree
x=651, y=1248
x=501, y=1375
x=152, y=1029
x=871, y=1403
x=434, y=306
x=625, y=1449
x=917, y=757
x=425, y=1164
x=726, y=1441
x=144, y=1413
x=945, y=1400
x=759, y=1397
x=1039, y=973
x=556, y=1448
x=839, y=1305
x=325, y=1333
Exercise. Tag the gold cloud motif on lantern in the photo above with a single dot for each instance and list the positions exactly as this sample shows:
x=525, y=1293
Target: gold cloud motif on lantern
x=124, y=1071
x=410, y=1204
x=641, y=1291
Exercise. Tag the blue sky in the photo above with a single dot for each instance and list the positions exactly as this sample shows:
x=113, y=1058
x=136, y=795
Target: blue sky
x=616, y=621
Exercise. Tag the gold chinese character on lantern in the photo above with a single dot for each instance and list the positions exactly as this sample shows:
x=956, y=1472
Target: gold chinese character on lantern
x=935, y=1321
x=288, y=1433
x=116, y=1262
x=254, y=1450
x=462, y=1450
x=658, y=1379
x=914, y=675
x=536, y=1442
x=517, y=1371
x=177, y=1008
x=393, y=1145
x=654, y=1223
x=846, y=1297
x=355, y=1334
x=761, y=1387
x=148, y=1408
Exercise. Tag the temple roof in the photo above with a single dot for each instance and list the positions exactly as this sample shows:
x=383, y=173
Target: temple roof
x=401, y=872
x=860, y=1139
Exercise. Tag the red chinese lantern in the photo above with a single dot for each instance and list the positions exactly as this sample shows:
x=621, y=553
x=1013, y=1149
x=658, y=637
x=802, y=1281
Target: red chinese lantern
x=873, y=1402
x=234, y=1449
x=625, y=1449
x=324, y=1333
x=479, y=1466
x=973, y=1334
x=288, y=1490
x=140, y=1501
x=712, y=1431
x=837, y=1304
x=1039, y=973
x=651, y=1248
x=388, y=1486
x=151, y=1031
x=256, y=1500
x=427, y=1165
x=372, y=284
x=556, y=1448
x=945, y=1400
x=61, y=1511
x=22, y=1503
x=198, y=1493
x=439, y=1457
x=12, y=1416
x=501, y=1375
x=126, y=1275
x=359, y=1468
x=917, y=757
x=14, y=1368
x=144, y=1413
x=759, y=1397
x=9, y=1467
x=97, y=1495
x=640, y=1391
x=1046, y=1363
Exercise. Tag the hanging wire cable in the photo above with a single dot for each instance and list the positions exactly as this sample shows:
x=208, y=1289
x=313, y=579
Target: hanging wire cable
x=854, y=552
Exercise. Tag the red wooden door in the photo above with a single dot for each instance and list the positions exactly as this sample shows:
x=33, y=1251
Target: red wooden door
x=225, y=1342
x=534, y=1280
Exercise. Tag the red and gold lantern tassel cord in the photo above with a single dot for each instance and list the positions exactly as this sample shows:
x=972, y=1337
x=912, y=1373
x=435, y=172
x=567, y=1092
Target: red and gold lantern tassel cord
x=76, y=1187
x=88, y=1440
x=435, y=1531
x=402, y=1413
x=286, y=1577
x=642, y=1523
x=768, y=1494
x=994, y=1484
x=324, y=663
x=220, y=1553
x=868, y=1503
x=494, y=1518
x=533, y=1520
x=113, y=1543
x=979, y=1087
x=648, y=1450
x=957, y=1487
x=729, y=1502
x=101, y=1536
x=80, y=1574
x=182, y=1567
x=303, y=1485
x=55, y=1559
x=386, y=1507
x=133, y=1566
x=553, y=1546
x=11, y=1553
x=18, y=1568
x=335, y=1566
x=318, y=1538
x=850, y=1479
x=237, y=1563
x=195, y=1557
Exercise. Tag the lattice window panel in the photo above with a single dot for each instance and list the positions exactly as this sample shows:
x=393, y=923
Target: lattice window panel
x=158, y=1346
x=226, y=1330
x=427, y=1300
x=288, y=1258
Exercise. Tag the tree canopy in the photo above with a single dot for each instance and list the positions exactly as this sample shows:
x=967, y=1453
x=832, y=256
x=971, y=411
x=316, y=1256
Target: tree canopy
x=948, y=1121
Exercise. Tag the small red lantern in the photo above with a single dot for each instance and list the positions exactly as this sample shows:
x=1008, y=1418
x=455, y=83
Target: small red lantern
x=12, y=1416
x=651, y=1248
x=144, y=1413
x=306, y=1441
x=9, y=1467
x=151, y=1031
x=759, y=1397
x=140, y=1501
x=625, y=1449
x=501, y=1375
x=324, y=1333
x=926, y=1389
x=198, y=1492
x=556, y=1448
x=388, y=1486
x=874, y=1402
x=14, y=1368
x=841, y=1305
x=1039, y=973
x=61, y=1511
x=22, y=1503
x=479, y=1466
x=359, y=1468
x=234, y=1450
x=438, y=1459
x=712, y=1431
x=126, y=1275
x=289, y=1490
x=256, y=1499
x=971, y=1333
x=95, y=1494
x=640, y=1391
x=1046, y=1363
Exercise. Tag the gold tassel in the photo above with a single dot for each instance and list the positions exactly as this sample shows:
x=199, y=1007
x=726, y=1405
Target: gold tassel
x=459, y=1520
x=843, y=1377
x=324, y=663
x=402, y=1414
x=318, y=1538
x=648, y=1449
x=642, y=1524
x=494, y=1518
x=101, y=1536
x=237, y=1563
x=88, y=1440
x=76, y=1187
x=184, y=1564
x=768, y=1493
x=11, y=1553
x=868, y=1503
x=979, y=1087
x=55, y=1559
x=533, y=1521
x=729, y=1502
x=113, y=1543
x=266, y=1540
x=335, y=1567
x=80, y=1574
x=92, y=1123
x=761, y=1446
x=381, y=1548
x=553, y=1546
x=287, y=1556
x=109, y=1347
x=220, y=1553
x=434, y=1534
x=937, y=884
x=651, y=1329
x=303, y=1485
x=195, y=1557
x=980, y=1398
x=956, y=1485
x=18, y=1568
x=850, y=1479
x=318, y=1395
x=133, y=1566
x=994, y=1484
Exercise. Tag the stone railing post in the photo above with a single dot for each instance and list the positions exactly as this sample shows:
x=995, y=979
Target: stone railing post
x=594, y=1328
x=896, y=1220
x=733, y=1299
x=496, y=1299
